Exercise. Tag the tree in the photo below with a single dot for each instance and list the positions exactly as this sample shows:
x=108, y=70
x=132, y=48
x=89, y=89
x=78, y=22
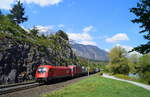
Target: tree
x=18, y=12
x=62, y=34
x=144, y=67
x=142, y=11
x=118, y=63
x=34, y=31
x=43, y=36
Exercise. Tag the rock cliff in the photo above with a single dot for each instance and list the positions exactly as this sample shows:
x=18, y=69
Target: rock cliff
x=18, y=57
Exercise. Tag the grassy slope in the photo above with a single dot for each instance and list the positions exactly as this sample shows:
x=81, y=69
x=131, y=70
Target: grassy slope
x=97, y=86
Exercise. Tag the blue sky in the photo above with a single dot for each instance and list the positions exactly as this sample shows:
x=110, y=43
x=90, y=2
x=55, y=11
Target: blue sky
x=104, y=23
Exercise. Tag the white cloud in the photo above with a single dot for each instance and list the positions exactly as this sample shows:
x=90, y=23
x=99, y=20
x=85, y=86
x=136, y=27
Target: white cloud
x=6, y=4
x=88, y=43
x=107, y=50
x=128, y=48
x=79, y=36
x=44, y=29
x=87, y=29
x=117, y=38
x=43, y=2
x=48, y=29
x=84, y=37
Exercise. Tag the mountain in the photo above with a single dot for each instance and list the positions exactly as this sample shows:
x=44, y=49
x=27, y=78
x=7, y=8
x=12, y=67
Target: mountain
x=90, y=52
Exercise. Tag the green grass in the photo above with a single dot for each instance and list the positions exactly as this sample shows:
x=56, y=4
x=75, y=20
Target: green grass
x=97, y=86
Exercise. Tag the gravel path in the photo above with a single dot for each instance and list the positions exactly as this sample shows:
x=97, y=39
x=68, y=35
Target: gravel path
x=132, y=82
x=43, y=89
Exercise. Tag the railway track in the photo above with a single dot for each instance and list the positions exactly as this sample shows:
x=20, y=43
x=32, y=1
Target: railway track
x=16, y=87
x=4, y=89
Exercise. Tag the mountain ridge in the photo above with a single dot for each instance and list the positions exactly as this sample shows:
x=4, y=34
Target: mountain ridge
x=90, y=52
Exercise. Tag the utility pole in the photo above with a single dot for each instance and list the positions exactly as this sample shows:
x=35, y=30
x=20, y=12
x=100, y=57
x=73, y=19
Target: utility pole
x=88, y=68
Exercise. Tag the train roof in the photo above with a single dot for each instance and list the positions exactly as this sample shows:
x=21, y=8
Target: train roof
x=52, y=66
x=45, y=66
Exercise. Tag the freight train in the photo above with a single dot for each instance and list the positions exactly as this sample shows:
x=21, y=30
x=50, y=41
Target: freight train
x=46, y=73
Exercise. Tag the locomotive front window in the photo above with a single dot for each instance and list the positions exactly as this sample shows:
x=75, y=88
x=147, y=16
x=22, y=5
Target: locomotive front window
x=42, y=70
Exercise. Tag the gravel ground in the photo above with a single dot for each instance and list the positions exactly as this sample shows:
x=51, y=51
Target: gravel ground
x=43, y=89
x=132, y=82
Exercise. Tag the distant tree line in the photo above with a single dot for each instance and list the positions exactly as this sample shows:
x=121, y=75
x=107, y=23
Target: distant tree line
x=91, y=63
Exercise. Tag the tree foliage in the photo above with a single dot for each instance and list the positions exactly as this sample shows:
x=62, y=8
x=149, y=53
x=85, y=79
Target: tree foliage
x=34, y=31
x=17, y=13
x=62, y=34
x=118, y=63
x=142, y=11
x=144, y=67
x=133, y=62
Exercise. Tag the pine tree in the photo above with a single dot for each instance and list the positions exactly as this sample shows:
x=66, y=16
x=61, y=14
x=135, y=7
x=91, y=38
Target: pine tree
x=34, y=31
x=142, y=11
x=18, y=12
x=62, y=34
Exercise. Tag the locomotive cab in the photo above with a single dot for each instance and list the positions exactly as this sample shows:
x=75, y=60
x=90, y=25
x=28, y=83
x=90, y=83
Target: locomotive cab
x=46, y=73
x=42, y=73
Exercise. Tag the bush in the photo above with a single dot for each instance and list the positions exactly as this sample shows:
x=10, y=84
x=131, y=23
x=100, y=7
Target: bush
x=146, y=76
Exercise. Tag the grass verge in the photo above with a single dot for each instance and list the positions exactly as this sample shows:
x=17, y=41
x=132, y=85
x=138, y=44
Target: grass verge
x=97, y=86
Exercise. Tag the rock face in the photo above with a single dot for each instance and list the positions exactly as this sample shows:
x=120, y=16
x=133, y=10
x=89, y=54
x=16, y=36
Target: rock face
x=18, y=57
x=90, y=52
x=22, y=51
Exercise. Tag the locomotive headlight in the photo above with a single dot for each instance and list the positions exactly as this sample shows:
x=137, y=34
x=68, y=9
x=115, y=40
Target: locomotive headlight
x=44, y=69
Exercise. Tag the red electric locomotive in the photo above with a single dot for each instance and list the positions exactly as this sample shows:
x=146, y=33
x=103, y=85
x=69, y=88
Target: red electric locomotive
x=45, y=73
